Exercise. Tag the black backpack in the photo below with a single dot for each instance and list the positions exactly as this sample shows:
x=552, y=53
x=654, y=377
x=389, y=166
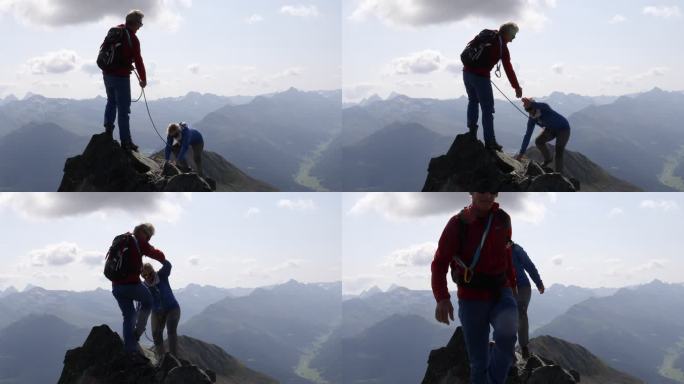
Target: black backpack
x=118, y=264
x=474, y=53
x=111, y=51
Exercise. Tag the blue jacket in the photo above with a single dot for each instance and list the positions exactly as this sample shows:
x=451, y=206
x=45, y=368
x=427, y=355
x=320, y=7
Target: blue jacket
x=163, y=298
x=189, y=137
x=522, y=263
x=548, y=119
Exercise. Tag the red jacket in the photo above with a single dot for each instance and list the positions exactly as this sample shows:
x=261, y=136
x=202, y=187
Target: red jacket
x=495, y=257
x=132, y=55
x=493, y=52
x=136, y=260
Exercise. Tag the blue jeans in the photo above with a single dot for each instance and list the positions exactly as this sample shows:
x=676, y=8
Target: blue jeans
x=118, y=100
x=480, y=94
x=134, y=322
x=489, y=366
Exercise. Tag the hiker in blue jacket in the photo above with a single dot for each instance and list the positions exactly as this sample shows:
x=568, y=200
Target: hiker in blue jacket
x=555, y=127
x=165, y=309
x=179, y=139
x=522, y=264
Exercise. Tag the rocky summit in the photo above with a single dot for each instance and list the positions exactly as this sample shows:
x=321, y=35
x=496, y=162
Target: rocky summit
x=468, y=167
x=102, y=360
x=105, y=166
x=450, y=365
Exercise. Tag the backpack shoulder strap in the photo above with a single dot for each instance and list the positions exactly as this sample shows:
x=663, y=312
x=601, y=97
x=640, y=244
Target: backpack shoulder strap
x=128, y=37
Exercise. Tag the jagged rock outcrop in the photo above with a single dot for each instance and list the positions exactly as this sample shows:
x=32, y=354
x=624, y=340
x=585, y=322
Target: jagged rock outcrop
x=468, y=166
x=450, y=365
x=106, y=167
x=102, y=360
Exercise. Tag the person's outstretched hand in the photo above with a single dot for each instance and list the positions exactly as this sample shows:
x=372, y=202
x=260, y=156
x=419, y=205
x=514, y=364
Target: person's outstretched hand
x=541, y=289
x=143, y=83
x=444, y=311
x=518, y=93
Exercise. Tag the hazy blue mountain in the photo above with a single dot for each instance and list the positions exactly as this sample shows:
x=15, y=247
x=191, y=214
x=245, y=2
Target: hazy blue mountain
x=272, y=137
x=82, y=309
x=557, y=299
x=272, y=329
x=392, y=159
x=32, y=157
x=634, y=138
x=637, y=330
x=592, y=370
x=393, y=350
x=85, y=117
x=32, y=348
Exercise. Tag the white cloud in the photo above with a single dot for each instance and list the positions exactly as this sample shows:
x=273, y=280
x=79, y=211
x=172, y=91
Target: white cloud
x=252, y=211
x=455, y=67
x=304, y=11
x=54, y=13
x=358, y=91
x=61, y=61
x=617, y=19
x=194, y=69
x=286, y=73
x=650, y=265
x=297, y=205
x=616, y=211
x=652, y=72
x=558, y=260
x=62, y=254
x=418, y=255
x=194, y=260
x=423, y=62
x=664, y=205
x=162, y=206
x=662, y=11
x=429, y=12
x=558, y=68
x=253, y=19
x=411, y=205
x=91, y=68
x=414, y=84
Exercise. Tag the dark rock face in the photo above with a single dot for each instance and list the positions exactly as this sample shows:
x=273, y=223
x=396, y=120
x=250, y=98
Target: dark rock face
x=106, y=167
x=469, y=167
x=102, y=360
x=450, y=365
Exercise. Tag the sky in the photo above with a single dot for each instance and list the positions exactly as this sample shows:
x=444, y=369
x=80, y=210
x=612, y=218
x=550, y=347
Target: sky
x=58, y=241
x=584, y=239
x=225, y=47
x=608, y=47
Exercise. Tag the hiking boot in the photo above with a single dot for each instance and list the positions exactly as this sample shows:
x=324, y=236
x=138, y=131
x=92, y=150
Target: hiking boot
x=525, y=353
x=130, y=146
x=109, y=130
x=494, y=147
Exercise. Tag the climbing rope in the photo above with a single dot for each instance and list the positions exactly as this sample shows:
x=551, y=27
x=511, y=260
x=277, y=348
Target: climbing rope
x=509, y=100
x=147, y=106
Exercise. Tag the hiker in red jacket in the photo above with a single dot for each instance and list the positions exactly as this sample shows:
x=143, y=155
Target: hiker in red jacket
x=475, y=245
x=117, y=79
x=130, y=288
x=479, y=58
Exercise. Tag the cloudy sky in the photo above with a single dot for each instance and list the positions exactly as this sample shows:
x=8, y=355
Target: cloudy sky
x=609, y=47
x=226, y=47
x=58, y=241
x=585, y=239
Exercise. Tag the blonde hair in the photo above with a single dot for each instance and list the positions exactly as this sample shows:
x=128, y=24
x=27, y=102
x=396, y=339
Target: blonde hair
x=172, y=129
x=509, y=28
x=134, y=17
x=145, y=227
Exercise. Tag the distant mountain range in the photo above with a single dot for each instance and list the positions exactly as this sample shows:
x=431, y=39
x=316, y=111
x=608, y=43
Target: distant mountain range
x=636, y=330
x=634, y=138
x=278, y=138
